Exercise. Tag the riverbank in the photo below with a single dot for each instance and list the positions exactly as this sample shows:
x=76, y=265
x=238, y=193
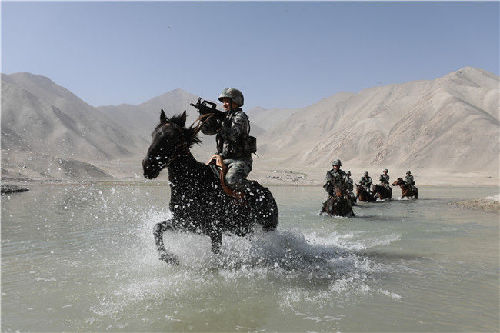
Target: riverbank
x=489, y=203
x=279, y=177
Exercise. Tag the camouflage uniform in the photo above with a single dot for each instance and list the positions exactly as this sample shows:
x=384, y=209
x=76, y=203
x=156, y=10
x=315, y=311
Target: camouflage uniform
x=366, y=182
x=384, y=179
x=231, y=139
x=335, y=179
x=349, y=181
x=409, y=180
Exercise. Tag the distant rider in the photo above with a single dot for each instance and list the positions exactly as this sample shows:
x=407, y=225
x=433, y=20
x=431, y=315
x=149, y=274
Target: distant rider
x=350, y=186
x=232, y=136
x=335, y=178
x=384, y=179
x=349, y=181
x=409, y=180
x=366, y=182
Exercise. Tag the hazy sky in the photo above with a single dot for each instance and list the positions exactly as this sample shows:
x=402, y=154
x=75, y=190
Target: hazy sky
x=280, y=54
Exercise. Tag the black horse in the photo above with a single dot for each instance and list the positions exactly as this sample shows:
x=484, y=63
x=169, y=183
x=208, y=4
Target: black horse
x=363, y=195
x=197, y=201
x=381, y=192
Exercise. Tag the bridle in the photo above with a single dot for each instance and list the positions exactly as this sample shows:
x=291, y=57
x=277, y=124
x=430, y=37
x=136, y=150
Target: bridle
x=182, y=148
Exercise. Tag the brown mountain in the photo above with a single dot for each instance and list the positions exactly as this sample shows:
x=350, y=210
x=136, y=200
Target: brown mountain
x=450, y=123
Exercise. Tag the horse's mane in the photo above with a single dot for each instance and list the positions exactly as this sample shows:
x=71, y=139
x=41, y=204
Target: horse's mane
x=190, y=133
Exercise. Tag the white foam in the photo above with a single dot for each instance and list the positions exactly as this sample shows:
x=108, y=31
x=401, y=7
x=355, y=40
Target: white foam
x=494, y=198
x=285, y=255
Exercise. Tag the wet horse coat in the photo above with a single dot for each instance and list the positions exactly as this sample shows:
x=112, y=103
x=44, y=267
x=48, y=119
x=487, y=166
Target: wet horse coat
x=363, y=195
x=338, y=204
x=197, y=202
x=381, y=192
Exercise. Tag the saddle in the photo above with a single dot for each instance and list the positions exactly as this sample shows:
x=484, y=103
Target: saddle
x=218, y=164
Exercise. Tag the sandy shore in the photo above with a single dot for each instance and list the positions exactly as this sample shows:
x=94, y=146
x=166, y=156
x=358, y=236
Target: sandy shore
x=489, y=203
x=298, y=177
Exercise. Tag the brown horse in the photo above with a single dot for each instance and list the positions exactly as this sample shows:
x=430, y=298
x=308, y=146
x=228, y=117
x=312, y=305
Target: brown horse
x=381, y=192
x=338, y=204
x=407, y=191
x=362, y=194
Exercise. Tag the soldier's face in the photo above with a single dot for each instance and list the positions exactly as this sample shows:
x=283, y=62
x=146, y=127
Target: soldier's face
x=226, y=103
x=335, y=167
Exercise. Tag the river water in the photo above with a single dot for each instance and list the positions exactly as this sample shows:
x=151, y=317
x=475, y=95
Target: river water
x=82, y=258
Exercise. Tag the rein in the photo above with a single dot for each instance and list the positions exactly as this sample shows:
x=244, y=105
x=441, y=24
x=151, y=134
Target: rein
x=202, y=119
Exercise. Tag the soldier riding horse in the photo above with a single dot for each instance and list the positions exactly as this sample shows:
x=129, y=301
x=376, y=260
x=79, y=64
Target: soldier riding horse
x=198, y=202
x=338, y=202
x=407, y=190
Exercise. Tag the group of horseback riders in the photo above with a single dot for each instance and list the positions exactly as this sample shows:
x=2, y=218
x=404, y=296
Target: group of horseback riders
x=338, y=178
x=340, y=188
x=366, y=180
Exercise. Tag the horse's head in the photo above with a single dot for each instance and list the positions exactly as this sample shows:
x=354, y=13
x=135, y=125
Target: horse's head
x=170, y=140
x=399, y=181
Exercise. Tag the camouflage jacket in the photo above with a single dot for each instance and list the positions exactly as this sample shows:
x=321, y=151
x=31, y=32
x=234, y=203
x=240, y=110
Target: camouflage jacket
x=366, y=181
x=409, y=180
x=384, y=179
x=231, y=134
x=334, y=179
x=349, y=182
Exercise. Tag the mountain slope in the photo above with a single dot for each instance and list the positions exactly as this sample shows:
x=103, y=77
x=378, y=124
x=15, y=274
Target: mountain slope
x=448, y=123
x=45, y=119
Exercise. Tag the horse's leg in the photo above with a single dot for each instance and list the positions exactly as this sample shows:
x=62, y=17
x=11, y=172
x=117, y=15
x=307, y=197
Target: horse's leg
x=336, y=207
x=416, y=193
x=158, y=231
x=348, y=207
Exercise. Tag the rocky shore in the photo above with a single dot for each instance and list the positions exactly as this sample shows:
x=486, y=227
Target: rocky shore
x=489, y=203
x=7, y=189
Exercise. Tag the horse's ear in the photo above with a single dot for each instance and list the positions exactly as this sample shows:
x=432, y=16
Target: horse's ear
x=182, y=120
x=163, y=118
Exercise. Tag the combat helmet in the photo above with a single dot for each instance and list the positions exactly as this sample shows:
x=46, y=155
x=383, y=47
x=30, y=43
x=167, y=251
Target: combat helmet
x=234, y=94
x=337, y=162
x=366, y=173
x=408, y=172
x=385, y=170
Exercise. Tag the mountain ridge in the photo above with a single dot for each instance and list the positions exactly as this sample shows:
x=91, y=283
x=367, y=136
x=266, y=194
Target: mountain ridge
x=443, y=124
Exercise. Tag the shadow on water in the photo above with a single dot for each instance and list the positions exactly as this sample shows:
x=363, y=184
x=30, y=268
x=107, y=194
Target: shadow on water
x=387, y=256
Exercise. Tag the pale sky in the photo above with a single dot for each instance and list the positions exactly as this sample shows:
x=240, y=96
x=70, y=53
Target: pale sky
x=280, y=54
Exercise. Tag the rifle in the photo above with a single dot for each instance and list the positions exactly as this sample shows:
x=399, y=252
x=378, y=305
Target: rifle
x=205, y=107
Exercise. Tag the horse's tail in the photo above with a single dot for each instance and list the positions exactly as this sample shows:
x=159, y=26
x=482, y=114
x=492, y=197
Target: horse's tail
x=263, y=205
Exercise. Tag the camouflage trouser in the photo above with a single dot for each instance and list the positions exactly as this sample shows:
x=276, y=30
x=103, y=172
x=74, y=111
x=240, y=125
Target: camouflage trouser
x=238, y=171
